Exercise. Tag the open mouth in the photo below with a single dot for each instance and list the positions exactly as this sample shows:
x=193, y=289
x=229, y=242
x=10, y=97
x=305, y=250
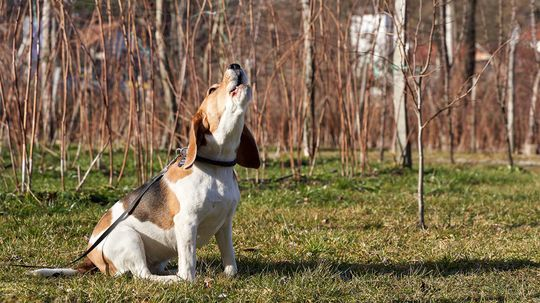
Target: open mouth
x=239, y=83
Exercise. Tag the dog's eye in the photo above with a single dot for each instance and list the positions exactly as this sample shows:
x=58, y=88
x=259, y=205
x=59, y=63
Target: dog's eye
x=212, y=89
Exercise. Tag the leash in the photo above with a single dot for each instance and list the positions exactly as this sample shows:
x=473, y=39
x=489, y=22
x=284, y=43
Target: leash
x=123, y=216
x=180, y=153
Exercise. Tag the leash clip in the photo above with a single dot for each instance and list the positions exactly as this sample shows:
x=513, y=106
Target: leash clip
x=181, y=153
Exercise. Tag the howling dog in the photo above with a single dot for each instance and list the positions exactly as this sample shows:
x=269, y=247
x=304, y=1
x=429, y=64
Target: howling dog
x=191, y=203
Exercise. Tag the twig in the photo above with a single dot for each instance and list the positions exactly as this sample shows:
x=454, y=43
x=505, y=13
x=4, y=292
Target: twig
x=90, y=167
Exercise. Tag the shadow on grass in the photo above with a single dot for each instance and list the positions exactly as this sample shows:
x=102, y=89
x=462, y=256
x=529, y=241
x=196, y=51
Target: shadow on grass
x=346, y=271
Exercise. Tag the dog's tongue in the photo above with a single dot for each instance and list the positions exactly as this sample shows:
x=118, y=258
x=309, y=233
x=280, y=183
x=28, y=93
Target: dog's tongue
x=234, y=91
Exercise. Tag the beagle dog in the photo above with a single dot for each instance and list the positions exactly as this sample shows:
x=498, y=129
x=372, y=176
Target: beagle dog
x=190, y=204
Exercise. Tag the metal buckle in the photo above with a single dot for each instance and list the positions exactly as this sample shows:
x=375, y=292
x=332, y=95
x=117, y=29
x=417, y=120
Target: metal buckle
x=181, y=153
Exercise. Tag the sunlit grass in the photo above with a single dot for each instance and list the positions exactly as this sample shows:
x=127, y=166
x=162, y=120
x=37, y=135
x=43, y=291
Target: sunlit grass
x=323, y=238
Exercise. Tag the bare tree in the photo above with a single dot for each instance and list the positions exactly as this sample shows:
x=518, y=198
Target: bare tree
x=469, y=41
x=446, y=15
x=308, y=105
x=384, y=113
x=105, y=85
x=419, y=106
x=163, y=72
x=501, y=89
x=402, y=148
x=511, y=94
x=531, y=146
x=44, y=52
x=474, y=114
x=416, y=86
x=25, y=165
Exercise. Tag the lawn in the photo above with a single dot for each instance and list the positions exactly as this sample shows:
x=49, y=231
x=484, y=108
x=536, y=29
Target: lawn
x=322, y=238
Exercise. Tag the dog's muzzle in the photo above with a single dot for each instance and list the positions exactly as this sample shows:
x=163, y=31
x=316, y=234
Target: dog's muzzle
x=238, y=79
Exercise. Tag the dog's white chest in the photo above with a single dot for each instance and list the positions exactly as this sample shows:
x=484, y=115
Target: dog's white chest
x=207, y=197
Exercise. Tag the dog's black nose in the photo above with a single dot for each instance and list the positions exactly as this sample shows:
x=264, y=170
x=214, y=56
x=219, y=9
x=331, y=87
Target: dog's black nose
x=235, y=66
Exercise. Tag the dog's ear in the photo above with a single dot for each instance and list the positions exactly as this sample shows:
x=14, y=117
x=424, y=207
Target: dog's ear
x=247, y=154
x=196, y=137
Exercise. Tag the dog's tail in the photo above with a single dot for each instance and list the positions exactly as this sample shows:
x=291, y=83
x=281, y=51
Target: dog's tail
x=84, y=267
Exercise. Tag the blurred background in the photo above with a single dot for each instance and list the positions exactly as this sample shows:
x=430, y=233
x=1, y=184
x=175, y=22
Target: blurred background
x=118, y=81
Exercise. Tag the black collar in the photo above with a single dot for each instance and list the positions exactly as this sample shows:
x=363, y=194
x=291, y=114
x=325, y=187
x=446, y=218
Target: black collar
x=216, y=162
x=182, y=153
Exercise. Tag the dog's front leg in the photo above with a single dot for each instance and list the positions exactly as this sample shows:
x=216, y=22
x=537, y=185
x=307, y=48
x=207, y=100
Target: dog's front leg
x=225, y=244
x=186, y=237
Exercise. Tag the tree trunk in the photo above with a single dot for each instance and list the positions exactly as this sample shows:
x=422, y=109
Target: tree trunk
x=420, y=196
x=474, y=122
x=469, y=42
x=531, y=146
x=48, y=130
x=449, y=31
x=179, y=9
x=362, y=74
x=501, y=90
x=163, y=72
x=309, y=87
x=511, y=88
x=446, y=36
x=383, y=114
x=469, y=28
x=402, y=148
x=56, y=73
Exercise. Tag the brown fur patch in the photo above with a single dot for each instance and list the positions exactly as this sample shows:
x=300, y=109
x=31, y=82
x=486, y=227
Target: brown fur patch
x=199, y=127
x=173, y=205
x=86, y=266
x=176, y=173
x=103, y=223
x=212, y=108
x=158, y=205
x=101, y=262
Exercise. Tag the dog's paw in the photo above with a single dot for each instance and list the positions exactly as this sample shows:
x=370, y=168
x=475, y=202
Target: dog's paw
x=186, y=276
x=230, y=270
x=171, y=279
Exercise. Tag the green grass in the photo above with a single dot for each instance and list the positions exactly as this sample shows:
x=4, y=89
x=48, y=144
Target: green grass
x=324, y=238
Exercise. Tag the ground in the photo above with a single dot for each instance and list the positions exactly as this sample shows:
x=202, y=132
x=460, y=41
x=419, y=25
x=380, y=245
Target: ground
x=321, y=238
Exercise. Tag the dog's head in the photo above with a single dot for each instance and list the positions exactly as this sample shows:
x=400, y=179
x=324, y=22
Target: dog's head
x=218, y=126
x=233, y=90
